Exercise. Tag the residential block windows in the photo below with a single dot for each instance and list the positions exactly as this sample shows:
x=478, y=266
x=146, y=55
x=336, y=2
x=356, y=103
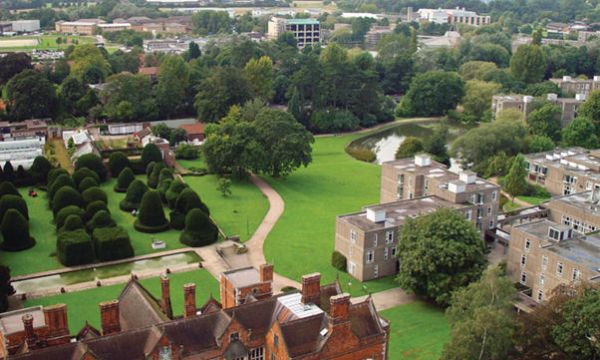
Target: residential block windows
x=370, y=256
x=576, y=274
x=544, y=262
x=542, y=280
x=559, y=268
x=275, y=340
x=523, y=260
x=257, y=353
x=389, y=236
x=523, y=279
x=375, y=241
x=234, y=336
x=540, y=295
x=394, y=250
x=386, y=254
x=527, y=245
x=376, y=271
x=353, y=236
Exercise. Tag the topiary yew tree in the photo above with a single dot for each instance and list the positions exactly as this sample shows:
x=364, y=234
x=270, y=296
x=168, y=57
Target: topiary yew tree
x=86, y=183
x=83, y=173
x=13, y=202
x=65, y=212
x=151, y=217
x=439, y=253
x=64, y=197
x=75, y=248
x=117, y=162
x=54, y=174
x=100, y=219
x=175, y=188
x=126, y=177
x=94, y=194
x=9, y=171
x=151, y=153
x=133, y=198
x=92, y=162
x=92, y=208
x=72, y=223
x=199, y=229
x=58, y=183
x=15, y=231
x=7, y=188
x=153, y=177
x=186, y=201
x=40, y=168
x=112, y=243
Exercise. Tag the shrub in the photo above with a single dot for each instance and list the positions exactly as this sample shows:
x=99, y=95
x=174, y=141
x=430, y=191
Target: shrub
x=72, y=223
x=64, y=197
x=92, y=162
x=162, y=189
x=149, y=168
x=7, y=188
x=152, y=216
x=112, y=243
x=54, y=174
x=165, y=174
x=99, y=220
x=175, y=188
x=65, y=212
x=153, y=178
x=117, y=162
x=187, y=152
x=60, y=182
x=15, y=231
x=199, y=229
x=9, y=171
x=8, y=202
x=186, y=201
x=133, y=198
x=333, y=121
x=88, y=182
x=40, y=168
x=338, y=261
x=83, y=173
x=409, y=147
x=125, y=178
x=151, y=153
x=75, y=248
x=94, y=194
x=361, y=153
x=92, y=208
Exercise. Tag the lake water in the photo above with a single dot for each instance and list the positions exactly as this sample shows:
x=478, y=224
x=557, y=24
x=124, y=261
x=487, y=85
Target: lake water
x=104, y=272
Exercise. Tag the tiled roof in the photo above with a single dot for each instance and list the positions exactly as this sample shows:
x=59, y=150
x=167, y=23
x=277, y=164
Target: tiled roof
x=193, y=129
x=138, y=308
x=303, y=336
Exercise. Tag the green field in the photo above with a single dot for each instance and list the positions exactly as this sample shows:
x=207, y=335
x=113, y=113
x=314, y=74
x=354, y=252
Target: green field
x=333, y=184
x=45, y=42
x=419, y=332
x=82, y=306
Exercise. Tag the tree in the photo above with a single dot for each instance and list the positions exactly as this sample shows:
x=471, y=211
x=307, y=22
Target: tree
x=540, y=143
x=260, y=77
x=224, y=186
x=72, y=90
x=6, y=289
x=15, y=231
x=186, y=201
x=40, y=168
x=12, y=64
x=175, y=188
x=151, y=153
x=545, y=121
x=30, y=95
x=7, y=188
x=133, y=198
x=211, y=22
x=87, y=183
x=225, y=87
x=436, y=144
x=591, y=108
x=481, y=319
x=580, y=132
x=82, y=173
x=92, y=162
x=126, y=177
x=94, y=194
x=151, y=217
x=528, y=64
x=478, y=97
x=286, y=144
x=173, y=81
x=117, y=162
x=477, y=70
x=61, y=181
x=199, y=229
x=409, y=147
x=8, y=171
x=194, y=50
x=88, y=58
x=433, y=93
x=64, y=197
x=64, y=213
x=15, y=202
x=177, y=135
x=439, y=253
x=128, y=97
x=515, y=182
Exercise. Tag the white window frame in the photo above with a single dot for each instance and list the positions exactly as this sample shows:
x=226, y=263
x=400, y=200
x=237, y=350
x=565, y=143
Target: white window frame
x=376, y=270
x=394, y=251
x=576, y=274
x=544, y=262
x=386, y=253
x=353, y=236
x=527, y=245
x=540, y=295
x=542, y=280
x=370, y=254
x=375, y=240
x=494, y=195
x=523, y=278
x=389, y=236
x=560, y=268
x=523, y=260
x=257, y=353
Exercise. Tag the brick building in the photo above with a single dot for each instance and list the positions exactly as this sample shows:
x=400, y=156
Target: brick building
x=412, y=178
x=526, y=104
x=369, y=239
x=319, y=322
x=579, y=211
x=246, y=284
x=194, y=132
x=570, y=86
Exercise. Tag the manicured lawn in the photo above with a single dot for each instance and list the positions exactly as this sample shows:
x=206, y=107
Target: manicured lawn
x=510, y=206
x=83, y=305
x=333, y=184
x=419, y=331
x=45, y=42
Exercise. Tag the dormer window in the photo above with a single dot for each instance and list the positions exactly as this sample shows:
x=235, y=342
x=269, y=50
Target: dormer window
x=234, y=336
x=558, y=235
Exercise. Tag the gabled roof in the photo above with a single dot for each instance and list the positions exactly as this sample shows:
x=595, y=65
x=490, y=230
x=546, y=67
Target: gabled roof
x=87, y=332
x=364, y=318
x=303, y=336
x=211, y=305
x=138, y=308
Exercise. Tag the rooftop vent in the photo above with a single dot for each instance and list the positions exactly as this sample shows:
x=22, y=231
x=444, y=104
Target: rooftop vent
x=422, y=160
x=468, y=177
x=566, y=78
x=456, y=187
x=527, y=99
x=596, y=78
x=376, y=215
x=552, y=97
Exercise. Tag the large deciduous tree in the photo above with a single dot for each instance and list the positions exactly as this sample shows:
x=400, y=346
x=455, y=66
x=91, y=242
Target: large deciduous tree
x=89, y=63
x=211, y=22
x=545, y=121
x=30, y=95
x=12, y=64
x=478, y=97
x=128, y=97
x=528, y=64
x=173, y=81
x=433, y=93
x=260, y=77
x=224, y=88
x=580, y=132
x=515, y=182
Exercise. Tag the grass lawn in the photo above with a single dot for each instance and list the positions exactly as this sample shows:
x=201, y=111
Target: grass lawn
x=45, y=42
x=303, y=239
x=419, y=331
x=83, y=305
x=533, y=200
x=510, y=206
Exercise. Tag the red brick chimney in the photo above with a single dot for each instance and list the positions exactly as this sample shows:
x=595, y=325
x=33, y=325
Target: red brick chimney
x=109, y=317
x=311, y=289
x=58, y=326
x=29, y=333
x=339, y=310
x=165, y=298
x=189, y=300
x=266, y=272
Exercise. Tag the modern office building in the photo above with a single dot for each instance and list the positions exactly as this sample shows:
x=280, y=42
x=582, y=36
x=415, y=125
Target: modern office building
x=307, y=32
x=453, y=16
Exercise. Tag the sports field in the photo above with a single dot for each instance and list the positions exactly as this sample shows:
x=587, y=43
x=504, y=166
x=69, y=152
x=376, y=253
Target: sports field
x=42, y=42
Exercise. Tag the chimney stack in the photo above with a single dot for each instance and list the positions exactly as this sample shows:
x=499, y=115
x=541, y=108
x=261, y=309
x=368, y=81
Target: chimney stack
x=311, y=289
x=56, y=320
x=29, y=333
x=266, y=273
x=165, y=301
x=109, y=317
x=189, y=300
x=339, y=309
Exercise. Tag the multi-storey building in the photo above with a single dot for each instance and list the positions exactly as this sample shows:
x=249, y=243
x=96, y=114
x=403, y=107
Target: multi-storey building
x=409, y=179
x=570, y=86
x=81, y=27
x=544, y=254
x=307, y=32
x=580, y=211
x=318, y=322
x=453, y=16
x=369, y=239
x=525, y=104
x=565, y=171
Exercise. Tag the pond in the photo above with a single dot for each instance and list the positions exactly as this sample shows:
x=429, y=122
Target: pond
x=384, y=143
x=74, y=277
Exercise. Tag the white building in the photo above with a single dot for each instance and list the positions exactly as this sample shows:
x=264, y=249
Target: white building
x=307, y=32
x=453, y=16
x=21, y=26
x=21, y=152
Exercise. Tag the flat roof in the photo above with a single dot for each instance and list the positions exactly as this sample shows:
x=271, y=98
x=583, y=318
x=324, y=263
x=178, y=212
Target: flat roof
x=243, y=277
x=12, y=321
x=582, y=200
x=302, y=21
x=293, y=302
x=575, y=159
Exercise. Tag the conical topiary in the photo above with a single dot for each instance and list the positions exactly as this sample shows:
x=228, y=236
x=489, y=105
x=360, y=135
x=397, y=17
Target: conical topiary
x=94, y=194
x=15, y=232
x=126, y=177
x=186, y=201
x=13, y=202
x=199, y=229
x=92, y=208
x=173, y=192
x=99, y=220
x=7, y=188
x=151, y=217
x=153, y=177
x=88, y=182
x=133, y=198
x=72, y=223
x=64, y=197
x=83, y=173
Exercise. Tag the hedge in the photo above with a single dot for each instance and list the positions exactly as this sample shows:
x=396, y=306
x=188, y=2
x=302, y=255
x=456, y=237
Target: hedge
x=173, y=192
x=75, y=248
x=94, y=194
x=151, y=153
x=338, y=261
x=58, y=183
x=72, y=223
x=199, y=229
x=64, y=197
x=99, y=220
x=15, y=231
x=65, y=212
x=54, y=174
x=133, y=198
x=117, y=162
x=151, y=217
x=126, y=177
x=83, y=173
x=112, y=243
x=92, y=162
x=7, y=188
x=39, y=169
x=92, y=208
x=13, y=202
